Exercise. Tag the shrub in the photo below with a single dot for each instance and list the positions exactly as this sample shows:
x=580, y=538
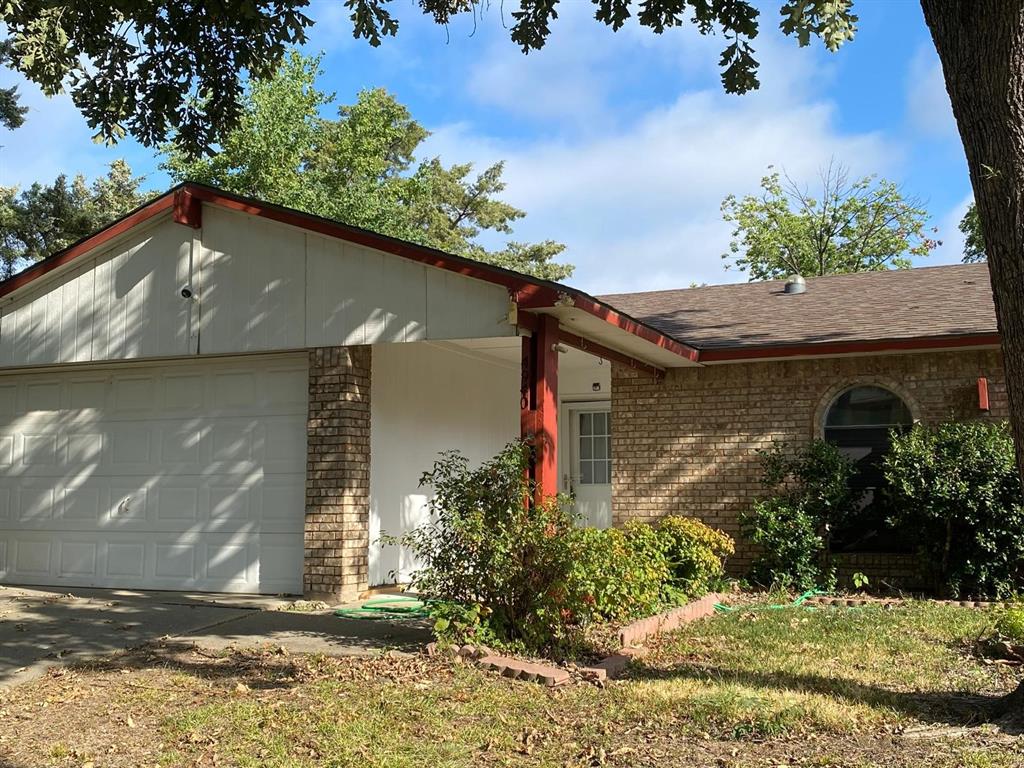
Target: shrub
x=956, y=486
x=696, y=555
x=496, y=570
x=485, y=546
x=790, y=545
x=1011, y=625
x=616, y=574
x=810, y=495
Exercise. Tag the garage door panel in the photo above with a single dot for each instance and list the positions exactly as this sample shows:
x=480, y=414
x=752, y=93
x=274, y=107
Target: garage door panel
x=186, y=475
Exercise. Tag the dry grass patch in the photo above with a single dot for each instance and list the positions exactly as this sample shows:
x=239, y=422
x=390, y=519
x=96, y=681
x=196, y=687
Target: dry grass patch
x=792, y=687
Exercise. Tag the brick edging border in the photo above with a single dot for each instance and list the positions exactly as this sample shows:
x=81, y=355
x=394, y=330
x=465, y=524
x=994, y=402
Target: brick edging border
x=638, y=631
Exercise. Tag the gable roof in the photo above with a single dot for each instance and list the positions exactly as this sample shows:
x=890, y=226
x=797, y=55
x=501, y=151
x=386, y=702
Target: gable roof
x=185, y=202
x=937, y=303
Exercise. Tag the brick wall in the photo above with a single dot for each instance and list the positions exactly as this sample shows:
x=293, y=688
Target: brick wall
x=687, y=445
x=338, y=473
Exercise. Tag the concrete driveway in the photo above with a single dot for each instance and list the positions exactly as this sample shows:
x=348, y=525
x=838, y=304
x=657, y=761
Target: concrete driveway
x=42, y=627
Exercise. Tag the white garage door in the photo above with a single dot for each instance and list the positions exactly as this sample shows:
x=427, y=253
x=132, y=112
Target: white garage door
x=183, y=475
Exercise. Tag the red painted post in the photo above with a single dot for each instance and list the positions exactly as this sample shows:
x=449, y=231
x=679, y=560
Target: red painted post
x=539, y=406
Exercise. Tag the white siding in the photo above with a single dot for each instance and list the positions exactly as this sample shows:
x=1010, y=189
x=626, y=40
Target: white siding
x=425, y=399
x=260, y=286
x=361, y=296
x=120, y=304
x=251, y=284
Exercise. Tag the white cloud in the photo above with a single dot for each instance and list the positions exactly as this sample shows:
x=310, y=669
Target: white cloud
x=952, y=249
x=927, y=103
x=637, y=201
x=55, y=139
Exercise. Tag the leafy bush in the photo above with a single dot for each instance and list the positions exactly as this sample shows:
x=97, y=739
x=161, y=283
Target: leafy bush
x=810, y=494
x=496, y=570
x=696, y=555
x=956, y=486
x=616, y=574
x=790, y=546
x=1011, y=625
x=484, y=545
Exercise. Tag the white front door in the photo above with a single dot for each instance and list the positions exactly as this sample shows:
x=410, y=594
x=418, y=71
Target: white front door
x=587, y=469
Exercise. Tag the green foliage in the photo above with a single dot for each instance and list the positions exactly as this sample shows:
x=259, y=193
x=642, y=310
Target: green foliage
x=810, y=495
x=1011, y=624
x=832, y=21
x=852, y=226
x=485, y=546
x=616, y=574
x=458, y=623
x=136, y=67
x=498, y=571
x=43, y=219
x=361, y=169
x=696, y=554
x=791, y=548
x=12, y=114
x=956, y=486
x=860, y=580
x=974, y=238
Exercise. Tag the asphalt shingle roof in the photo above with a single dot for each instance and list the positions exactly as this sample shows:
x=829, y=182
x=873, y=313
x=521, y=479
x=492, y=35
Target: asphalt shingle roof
x=868, y=306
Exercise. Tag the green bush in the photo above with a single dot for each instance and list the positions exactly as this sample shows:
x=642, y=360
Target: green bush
x=497, y=570
x=1011, y=625
x=956, y=486
x=696, y=555
x=616, y=574
x=485, y=546
x=810, y=494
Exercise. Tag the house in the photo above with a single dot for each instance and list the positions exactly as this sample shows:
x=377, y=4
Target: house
x=218, y=394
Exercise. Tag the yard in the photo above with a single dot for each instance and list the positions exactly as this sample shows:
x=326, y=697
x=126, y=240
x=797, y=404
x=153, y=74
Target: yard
x=828, y=687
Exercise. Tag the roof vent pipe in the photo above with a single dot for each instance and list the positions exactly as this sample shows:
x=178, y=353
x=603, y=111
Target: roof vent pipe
x=795, y=284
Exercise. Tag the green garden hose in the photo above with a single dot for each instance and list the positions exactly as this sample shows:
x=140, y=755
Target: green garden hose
x=387, y=607
x=722, y=608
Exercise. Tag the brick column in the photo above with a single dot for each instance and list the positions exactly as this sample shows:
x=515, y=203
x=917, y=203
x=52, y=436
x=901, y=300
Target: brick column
x=337, y=473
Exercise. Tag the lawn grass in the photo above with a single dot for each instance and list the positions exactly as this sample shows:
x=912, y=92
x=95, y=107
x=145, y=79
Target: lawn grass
x=827, y=687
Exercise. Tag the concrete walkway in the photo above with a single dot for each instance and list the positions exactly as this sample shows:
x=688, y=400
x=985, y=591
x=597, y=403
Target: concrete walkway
x=41, y=627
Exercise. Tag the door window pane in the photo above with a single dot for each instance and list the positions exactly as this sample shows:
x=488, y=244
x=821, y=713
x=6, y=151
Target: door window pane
x=586, y=447
x=594, y=449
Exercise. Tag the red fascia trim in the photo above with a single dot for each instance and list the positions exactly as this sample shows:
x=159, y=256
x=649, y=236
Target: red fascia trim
x=636, y=328
x=546, y=298
x=116, y=229
x=849, y=347
x=598, y=350
x=188, y=209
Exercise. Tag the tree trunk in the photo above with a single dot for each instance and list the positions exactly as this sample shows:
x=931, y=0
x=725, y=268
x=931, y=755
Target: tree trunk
x=981, y=46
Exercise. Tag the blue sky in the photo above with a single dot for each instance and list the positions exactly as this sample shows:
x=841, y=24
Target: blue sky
x=621, y=145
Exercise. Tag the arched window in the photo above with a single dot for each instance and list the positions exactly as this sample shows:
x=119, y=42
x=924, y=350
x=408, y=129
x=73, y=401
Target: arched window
x=859, y=422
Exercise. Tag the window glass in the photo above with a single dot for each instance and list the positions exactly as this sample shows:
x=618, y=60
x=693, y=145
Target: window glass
x=594, y=448
x=868, y=407
x=860, y=423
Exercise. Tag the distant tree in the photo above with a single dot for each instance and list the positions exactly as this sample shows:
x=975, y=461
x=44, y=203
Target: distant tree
x=12, y=113
x=974, y=238
x=137, y=67
x=361, y=169
x=848, y=226
x=45, y=218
